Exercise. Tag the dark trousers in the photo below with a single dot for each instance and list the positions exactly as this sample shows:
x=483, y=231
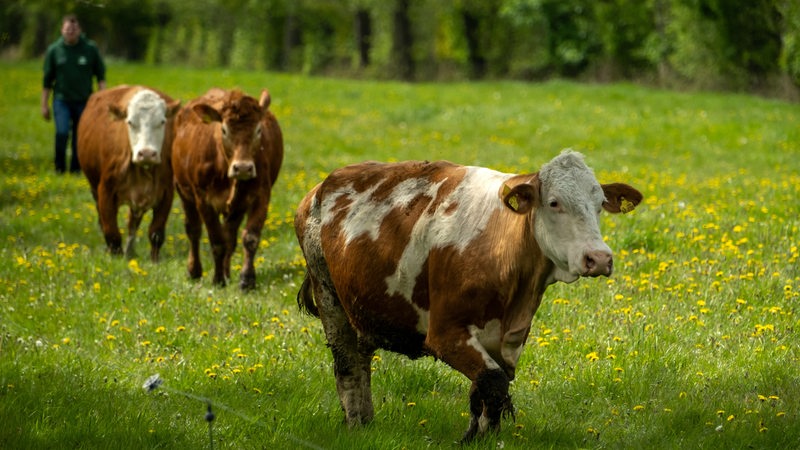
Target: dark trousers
x=66, y=115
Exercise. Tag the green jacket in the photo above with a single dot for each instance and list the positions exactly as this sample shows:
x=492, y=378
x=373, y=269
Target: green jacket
x=68, y=69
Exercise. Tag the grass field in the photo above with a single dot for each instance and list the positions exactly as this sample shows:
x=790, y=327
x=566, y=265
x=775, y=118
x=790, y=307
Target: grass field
x=691, y=344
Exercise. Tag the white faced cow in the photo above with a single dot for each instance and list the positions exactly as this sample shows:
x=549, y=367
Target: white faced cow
x=433, y=258
x=124, y=140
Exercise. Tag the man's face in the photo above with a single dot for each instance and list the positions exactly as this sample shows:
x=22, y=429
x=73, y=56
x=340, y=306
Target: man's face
x=71, y=31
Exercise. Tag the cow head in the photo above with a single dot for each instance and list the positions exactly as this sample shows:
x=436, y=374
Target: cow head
x=566, y=200
x=240, y=118
x=146, y=117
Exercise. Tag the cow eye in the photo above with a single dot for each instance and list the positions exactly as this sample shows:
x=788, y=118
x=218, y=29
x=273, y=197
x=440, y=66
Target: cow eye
x=554, y=204
x=258, y=131
x=224, y=131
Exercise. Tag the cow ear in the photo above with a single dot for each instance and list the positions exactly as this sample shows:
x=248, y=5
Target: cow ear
x=521, y=198
x=265, y=99
x=117, y=113
x=620, y=197
x=206, y=113
x=173, y=107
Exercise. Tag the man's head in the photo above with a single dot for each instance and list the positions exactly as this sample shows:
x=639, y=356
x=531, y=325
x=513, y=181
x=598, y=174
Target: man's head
x=70, y=29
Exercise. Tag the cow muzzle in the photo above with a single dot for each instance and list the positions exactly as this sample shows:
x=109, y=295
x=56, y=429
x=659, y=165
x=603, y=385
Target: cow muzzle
x=597, y=263
x=146, y=156
x=242, y=170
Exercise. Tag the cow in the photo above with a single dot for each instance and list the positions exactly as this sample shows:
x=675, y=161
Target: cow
x=226, y=156
x=450, y=261
x=124, y=141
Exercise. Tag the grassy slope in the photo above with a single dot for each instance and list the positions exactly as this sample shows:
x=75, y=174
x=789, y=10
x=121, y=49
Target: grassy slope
x=691, y=343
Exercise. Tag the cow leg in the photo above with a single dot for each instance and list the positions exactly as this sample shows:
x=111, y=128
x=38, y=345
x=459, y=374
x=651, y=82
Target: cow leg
x=352, y=357
x=232, y=224
x=250, y=241
x=159, y=223
x=107, y=209
x=218, y=240
x=134, y=220
x=251, y=237
x=194, y=228
x=351, y=360
x=489, y=400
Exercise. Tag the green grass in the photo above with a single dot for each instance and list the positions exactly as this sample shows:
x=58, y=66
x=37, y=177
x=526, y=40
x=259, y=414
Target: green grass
x=692, y=343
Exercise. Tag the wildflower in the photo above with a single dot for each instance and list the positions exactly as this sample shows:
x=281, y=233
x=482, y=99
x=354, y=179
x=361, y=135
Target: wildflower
x=592, y=356
x=638, y=408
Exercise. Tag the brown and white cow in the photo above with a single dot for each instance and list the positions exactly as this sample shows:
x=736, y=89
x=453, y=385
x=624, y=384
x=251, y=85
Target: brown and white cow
x=124, y=141
x=227, y=153
x=434, y=258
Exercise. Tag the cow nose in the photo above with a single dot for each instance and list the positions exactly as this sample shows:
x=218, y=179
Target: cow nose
x=242, y=170
x=147, y=156
x=598, y=262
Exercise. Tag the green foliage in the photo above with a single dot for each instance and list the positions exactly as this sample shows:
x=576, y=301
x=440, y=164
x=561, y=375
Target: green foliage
x=718, y=44
x=692, y=342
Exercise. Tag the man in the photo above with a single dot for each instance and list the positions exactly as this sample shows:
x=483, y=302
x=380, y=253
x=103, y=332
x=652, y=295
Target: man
x=69, y=67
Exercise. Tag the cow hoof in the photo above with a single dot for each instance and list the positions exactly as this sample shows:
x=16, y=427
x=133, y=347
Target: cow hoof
x=247, y=282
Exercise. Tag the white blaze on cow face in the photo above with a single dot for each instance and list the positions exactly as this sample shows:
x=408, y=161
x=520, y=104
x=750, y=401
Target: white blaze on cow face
x=567, y=224
x=146, y=118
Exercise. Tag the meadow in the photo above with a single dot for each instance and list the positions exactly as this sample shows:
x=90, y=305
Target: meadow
x=690, y=344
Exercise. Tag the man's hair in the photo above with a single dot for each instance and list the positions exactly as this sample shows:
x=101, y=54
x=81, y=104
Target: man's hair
x=70, y=18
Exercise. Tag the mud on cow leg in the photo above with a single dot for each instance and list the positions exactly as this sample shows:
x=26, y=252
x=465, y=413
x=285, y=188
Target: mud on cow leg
x=247, y=279
x=351, y=360
x=489, y=402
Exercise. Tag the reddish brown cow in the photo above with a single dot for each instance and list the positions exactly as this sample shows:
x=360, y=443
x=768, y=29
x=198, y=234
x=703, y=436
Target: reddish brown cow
x=445, y=260
x=227, y=153
x=124, y=141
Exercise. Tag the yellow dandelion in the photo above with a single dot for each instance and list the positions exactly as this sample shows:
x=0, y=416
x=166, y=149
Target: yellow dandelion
x=638, y=408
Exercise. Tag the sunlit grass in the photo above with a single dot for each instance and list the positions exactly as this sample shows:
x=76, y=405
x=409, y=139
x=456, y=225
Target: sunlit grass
x=691, y=344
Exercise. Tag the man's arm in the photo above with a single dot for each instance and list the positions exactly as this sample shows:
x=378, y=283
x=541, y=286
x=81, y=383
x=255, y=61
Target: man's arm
x=46, y=103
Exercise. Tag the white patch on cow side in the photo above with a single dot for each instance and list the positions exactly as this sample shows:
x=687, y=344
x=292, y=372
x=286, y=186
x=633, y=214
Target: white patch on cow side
x=474, y=201
x=487, y=340
x=146, y=118
x=365, y=215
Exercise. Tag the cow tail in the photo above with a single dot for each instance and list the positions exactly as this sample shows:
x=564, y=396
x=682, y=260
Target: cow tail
x=305, y=297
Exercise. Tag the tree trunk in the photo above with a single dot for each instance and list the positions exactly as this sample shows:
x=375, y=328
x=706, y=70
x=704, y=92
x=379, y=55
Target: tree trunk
x=363, y=36
x=402, y=42
x=475, y=58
